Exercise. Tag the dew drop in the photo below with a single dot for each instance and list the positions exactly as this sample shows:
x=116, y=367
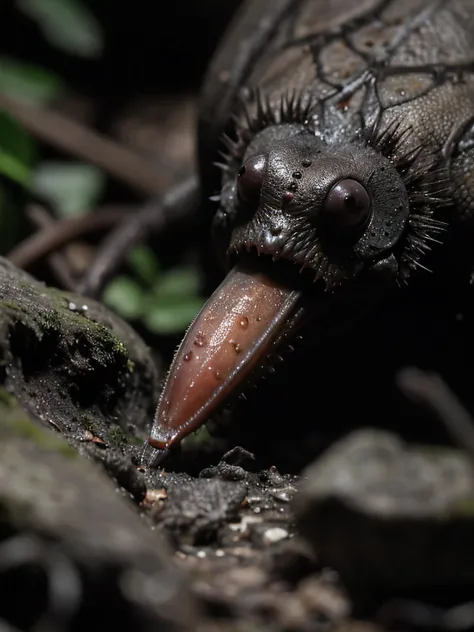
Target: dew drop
x=258, y=319
x=244, y=322
x=217, y=375
x=200, y=339
x=237, y=347
x=188, y=356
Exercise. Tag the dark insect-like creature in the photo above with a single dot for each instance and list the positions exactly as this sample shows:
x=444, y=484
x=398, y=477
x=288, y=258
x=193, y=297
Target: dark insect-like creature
x=336, y=140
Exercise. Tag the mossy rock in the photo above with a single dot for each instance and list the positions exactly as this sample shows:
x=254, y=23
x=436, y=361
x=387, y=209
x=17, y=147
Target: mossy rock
x=73, y=365
x=391, y=516
x=72, y=546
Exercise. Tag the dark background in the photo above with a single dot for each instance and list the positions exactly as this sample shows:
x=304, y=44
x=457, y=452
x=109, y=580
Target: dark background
x=150, y=46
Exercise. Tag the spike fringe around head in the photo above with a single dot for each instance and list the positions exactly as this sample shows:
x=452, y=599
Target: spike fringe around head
x=428, y=188
x=255, y=114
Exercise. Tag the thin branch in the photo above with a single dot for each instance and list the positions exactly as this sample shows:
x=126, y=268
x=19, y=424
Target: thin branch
x=180, y=203
x=57, y=261
x=72, y=137
x=61, y=233
x=430, y=390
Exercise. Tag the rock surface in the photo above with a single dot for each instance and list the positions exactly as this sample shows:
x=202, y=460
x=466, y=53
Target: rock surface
x=72, y=363
x=73, y=546
x=76, y=367
x=391, y=515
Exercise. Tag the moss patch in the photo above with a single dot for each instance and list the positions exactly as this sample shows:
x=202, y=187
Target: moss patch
x=72, y=364
x=14, y=421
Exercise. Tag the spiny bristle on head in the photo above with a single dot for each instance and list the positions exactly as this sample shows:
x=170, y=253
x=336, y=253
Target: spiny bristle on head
x=257, y=112
x=419, y=165
x=292, y=108
x=427, y=183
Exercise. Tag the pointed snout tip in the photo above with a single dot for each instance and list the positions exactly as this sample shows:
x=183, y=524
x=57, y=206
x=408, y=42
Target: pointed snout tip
x=151, y=457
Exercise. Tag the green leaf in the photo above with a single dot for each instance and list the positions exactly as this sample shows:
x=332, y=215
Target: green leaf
x=171, y=316
x=13, y=169
x=17, y=151
x=145, y=265
x=181, y=281
x=125, y=297
x=70, y=188
x=27, y=82
x=66, y=24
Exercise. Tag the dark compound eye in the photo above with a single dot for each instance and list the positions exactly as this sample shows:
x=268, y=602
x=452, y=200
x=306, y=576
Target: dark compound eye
x=250, y=179
x=347, y=205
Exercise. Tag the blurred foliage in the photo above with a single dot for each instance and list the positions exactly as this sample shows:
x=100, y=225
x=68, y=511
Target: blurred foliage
x=17, y=151
x=66, y=24
x=164, y=301
x=70, y=188
x=28, y=82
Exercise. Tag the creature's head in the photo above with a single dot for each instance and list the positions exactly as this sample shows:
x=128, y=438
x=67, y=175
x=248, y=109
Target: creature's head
x=303, y=226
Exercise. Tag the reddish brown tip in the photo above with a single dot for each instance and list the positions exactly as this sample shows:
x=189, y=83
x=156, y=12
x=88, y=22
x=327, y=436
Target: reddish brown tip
x=230, y=335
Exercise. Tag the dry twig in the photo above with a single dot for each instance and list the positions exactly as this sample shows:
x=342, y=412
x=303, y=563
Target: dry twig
x=72, y=137
x=58, y=262
x=430, y=390
x=180, y=203
x=61, y=233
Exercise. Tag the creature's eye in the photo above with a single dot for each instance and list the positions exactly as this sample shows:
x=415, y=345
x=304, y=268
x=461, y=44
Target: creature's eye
x=347, y=205
x=250, y=179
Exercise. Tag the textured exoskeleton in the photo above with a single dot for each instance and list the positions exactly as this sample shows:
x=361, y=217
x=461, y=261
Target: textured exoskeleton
x=346, y=133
